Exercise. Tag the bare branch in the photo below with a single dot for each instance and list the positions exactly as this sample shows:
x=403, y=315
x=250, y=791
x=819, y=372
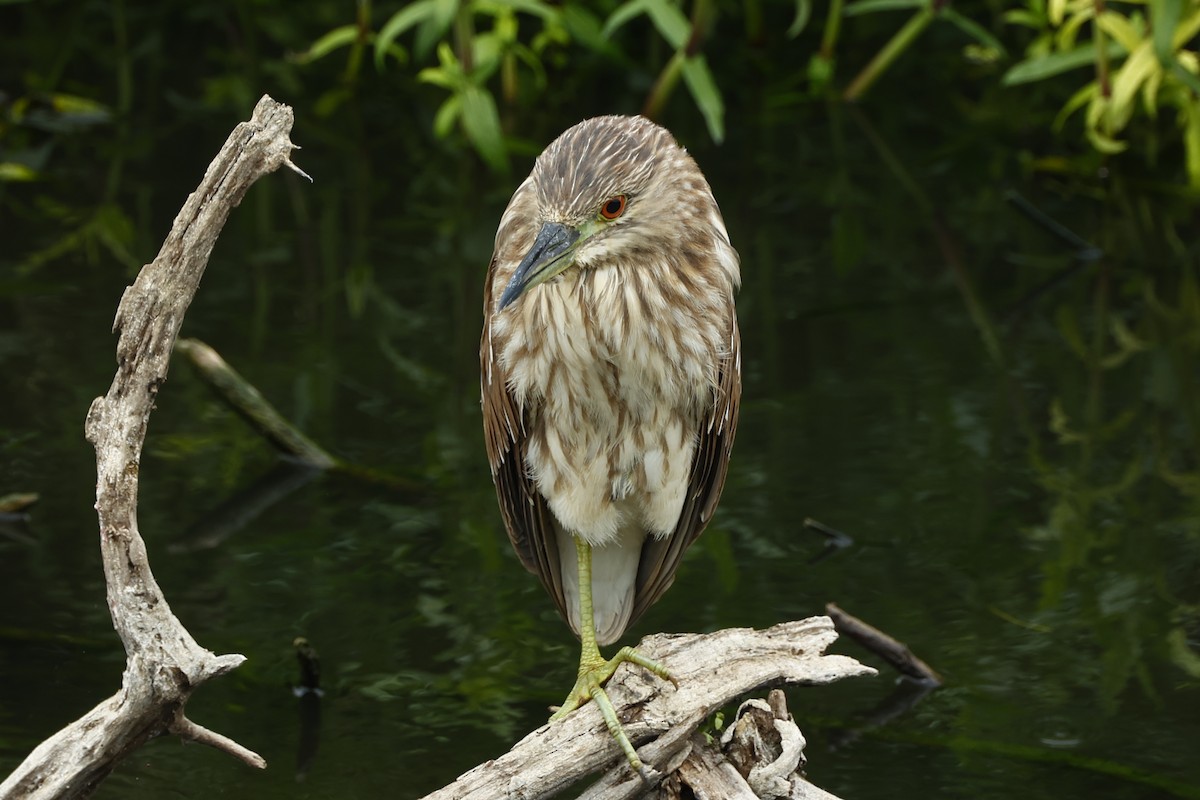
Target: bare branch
x=712, y=669
x=184, y=728
x=164, y=663
x=892, y=650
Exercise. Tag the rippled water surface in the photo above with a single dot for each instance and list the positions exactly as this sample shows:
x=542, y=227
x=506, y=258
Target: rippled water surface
x=1005, y=430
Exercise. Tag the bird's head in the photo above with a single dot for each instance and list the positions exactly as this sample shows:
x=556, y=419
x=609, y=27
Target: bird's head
x=606, y=190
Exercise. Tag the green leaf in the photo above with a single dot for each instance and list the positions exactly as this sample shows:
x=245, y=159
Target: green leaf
x=973, y=29
x=1077, y=101
x=1186, y=30
x=624, y=13
x=1105, y=143
x=1128, y=344
x=534, y=7
x=871, y=6
x=338, y=37
x=1181, y=652
x=803, y=12
x=1150, y=93
x=401, y=21
x=670, y=22
x=438, y=76
x=1042, y=67
x=434, y=27
x=1189, y=78
x=1055, y=11
x=486, y=50
x=1121, y=29
x=76, y=105
x=446, y=116
x=586, y=29
x=1020, y=16
x=1164, y=16
x=1191, y=140
x=1068, y=34
x=666, y=17
x=12, y=171
x=706, y=94
x=1060, y=424
x=1136, y=70
x=1068, y=327
x=481, y=121
x=530, y=59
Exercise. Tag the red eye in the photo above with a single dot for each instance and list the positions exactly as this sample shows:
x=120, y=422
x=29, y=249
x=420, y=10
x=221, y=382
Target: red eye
x=614, y=208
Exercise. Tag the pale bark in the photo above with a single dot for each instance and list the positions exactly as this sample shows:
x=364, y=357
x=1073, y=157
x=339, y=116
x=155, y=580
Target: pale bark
x=164, y=663
x=712, y=669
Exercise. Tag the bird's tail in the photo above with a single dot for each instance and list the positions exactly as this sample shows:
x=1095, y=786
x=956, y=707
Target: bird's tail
x=614, y=577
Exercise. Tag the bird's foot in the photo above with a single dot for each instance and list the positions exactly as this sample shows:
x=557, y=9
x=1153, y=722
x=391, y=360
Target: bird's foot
x=593, y=674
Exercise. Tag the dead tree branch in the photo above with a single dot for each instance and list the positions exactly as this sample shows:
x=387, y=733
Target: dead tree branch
x=164, y=663
x=712, y=669
x=891, y=650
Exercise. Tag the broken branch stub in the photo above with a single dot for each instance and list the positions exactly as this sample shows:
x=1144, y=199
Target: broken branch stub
x=164, y=663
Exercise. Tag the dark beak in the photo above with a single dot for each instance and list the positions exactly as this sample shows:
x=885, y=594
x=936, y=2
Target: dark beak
x=549, y=256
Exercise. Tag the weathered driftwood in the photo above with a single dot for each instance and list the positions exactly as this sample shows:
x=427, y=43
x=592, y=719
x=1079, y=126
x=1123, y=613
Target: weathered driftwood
x=712, y=669
x=164, y=663
x=761, y=755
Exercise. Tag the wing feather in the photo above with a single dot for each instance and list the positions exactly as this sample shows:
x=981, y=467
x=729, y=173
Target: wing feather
x=661, y=557
x=527, y=518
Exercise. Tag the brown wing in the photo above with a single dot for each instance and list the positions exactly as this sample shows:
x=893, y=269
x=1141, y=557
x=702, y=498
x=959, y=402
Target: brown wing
x=526, y=516
x=661, y=557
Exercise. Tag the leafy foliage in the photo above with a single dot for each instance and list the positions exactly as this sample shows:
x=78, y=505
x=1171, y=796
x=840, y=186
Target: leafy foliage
x=1138, y=60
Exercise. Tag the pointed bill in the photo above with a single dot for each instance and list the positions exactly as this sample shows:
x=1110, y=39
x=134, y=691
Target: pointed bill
x=551, y=254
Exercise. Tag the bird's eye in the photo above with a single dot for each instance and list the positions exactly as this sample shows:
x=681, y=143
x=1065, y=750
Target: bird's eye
x=614, y=208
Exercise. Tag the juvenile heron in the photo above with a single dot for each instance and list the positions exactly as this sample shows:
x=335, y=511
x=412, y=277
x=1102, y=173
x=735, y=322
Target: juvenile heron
x=610, y=378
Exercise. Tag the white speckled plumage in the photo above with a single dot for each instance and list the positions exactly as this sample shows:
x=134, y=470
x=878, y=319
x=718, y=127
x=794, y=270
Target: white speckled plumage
x=610, y=392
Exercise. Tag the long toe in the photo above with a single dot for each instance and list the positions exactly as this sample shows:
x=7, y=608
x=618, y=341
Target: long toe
x=590, y=686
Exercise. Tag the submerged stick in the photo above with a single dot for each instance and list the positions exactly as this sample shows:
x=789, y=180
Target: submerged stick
x=164, y=663
x=891, y=650
x=250, y=404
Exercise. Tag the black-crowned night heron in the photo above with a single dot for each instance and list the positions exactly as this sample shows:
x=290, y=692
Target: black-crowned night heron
x=610, y=378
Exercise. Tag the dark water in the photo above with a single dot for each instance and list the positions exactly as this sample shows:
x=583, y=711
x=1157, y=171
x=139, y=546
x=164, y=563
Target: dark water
x=1007, y=432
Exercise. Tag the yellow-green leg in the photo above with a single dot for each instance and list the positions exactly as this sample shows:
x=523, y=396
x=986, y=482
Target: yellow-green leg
x=594, y=671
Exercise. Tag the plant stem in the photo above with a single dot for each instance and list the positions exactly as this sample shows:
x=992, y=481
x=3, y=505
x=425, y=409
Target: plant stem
x=464, y=37
x=833, y=26
x=884, y=58
x=1101, y=41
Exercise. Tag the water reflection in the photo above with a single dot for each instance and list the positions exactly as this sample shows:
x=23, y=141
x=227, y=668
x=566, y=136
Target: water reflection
x=1020, y=491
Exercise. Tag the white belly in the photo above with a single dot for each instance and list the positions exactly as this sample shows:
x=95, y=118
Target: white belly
x=614, y=406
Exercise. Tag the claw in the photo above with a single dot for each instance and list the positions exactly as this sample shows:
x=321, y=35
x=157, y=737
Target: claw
x=593, y=674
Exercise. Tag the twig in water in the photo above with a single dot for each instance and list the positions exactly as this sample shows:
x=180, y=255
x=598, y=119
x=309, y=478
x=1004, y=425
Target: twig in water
x=834, y=539
x=890, y=650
